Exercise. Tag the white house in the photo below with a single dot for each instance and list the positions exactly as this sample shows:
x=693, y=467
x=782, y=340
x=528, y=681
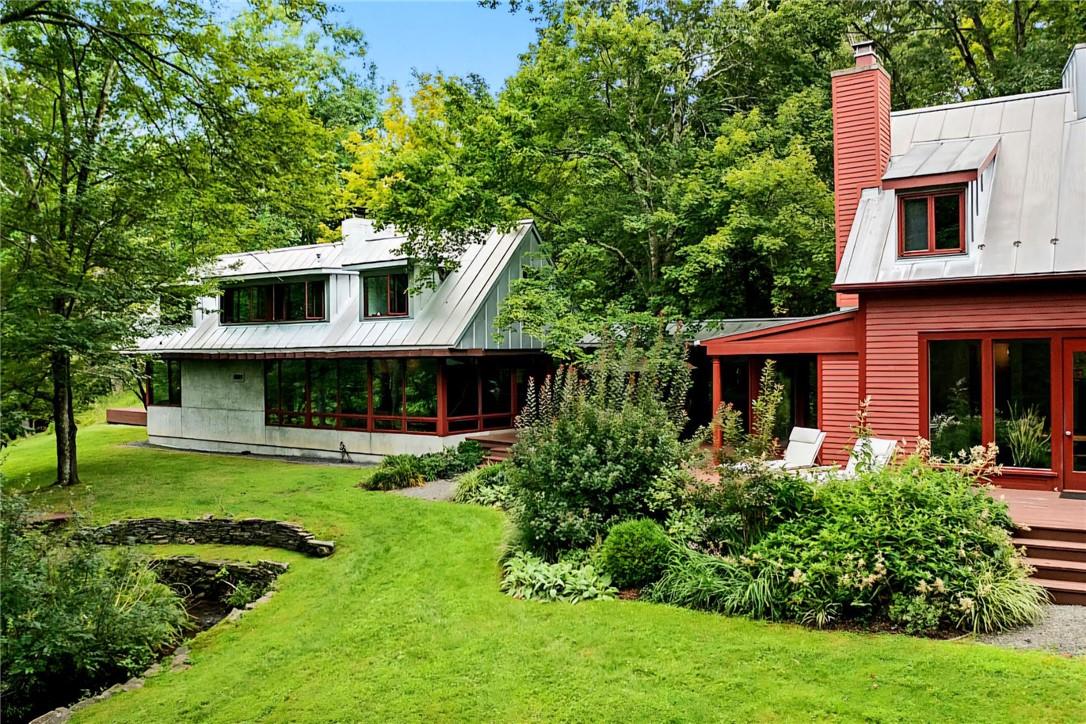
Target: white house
x=311, y=350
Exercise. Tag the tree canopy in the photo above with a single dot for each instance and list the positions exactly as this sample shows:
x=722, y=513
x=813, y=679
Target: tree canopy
x=676, y=155
x=141, y=138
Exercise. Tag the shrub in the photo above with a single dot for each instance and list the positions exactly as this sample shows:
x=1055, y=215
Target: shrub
x=483, y=486
x=748, y=501
x=76, y=617
x=635, y=553
x=916, y=546
x=406, y=471
x=527, y=576
x=589, y=451
x=395, y=472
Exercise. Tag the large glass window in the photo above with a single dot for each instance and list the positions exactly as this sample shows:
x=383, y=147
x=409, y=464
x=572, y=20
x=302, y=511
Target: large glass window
x=1023, y=402
x=323, y=386
x=420, y=383
x=954, y=389
x=354, y=393
x=292, y=403
x=283, y=302
x=932, y=223
x=388, y=394
x=164, y=382
x=385, y=295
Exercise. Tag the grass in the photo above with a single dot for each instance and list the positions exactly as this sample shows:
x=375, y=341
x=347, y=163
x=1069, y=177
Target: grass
x=405, y=622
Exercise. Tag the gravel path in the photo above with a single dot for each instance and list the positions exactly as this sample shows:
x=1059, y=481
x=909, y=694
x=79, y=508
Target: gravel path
x=435, y=490
x=1063, y=630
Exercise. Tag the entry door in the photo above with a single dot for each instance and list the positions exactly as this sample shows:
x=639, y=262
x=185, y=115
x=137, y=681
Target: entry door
x=1074, y=413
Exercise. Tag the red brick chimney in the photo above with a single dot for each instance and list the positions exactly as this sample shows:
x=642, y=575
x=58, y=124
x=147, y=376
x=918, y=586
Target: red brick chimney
x=861, y=139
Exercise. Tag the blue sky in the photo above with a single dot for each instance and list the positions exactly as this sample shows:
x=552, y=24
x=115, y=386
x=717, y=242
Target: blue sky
x=456, y=37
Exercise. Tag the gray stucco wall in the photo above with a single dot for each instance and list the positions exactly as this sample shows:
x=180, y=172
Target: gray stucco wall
x=222, y=410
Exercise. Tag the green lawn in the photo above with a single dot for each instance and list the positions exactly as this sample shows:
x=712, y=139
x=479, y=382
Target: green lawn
x=405, y=622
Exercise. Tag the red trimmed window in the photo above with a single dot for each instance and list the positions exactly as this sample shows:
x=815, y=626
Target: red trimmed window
x=385, y=295
x=931, y=223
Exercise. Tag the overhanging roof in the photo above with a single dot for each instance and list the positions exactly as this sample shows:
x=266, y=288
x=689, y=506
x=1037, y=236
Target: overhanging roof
x=833, y=333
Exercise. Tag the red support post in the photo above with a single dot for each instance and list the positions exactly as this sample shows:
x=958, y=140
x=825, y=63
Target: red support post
x=717, y=399
x=442, y=395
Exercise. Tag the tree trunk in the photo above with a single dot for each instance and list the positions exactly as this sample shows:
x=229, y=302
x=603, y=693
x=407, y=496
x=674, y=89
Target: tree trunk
x=63, y=417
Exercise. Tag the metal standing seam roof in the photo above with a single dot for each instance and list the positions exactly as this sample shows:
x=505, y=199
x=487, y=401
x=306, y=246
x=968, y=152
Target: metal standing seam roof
x=1032, y=218
x=438, y=318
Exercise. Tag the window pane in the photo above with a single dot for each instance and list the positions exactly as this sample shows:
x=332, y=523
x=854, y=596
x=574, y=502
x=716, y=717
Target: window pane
x=497, y=390
x=916, y=224
x=461, y=388
x=376, y=293
x=421, y=388
x=354, y=387
x=1078, y=412
x=954, y=396
x=398, y=295
x=160, y=383
x=292, y=391
x=174, y=368
x=387, y=387
x=271, y=392
x=1023, y=398
x=290, y=301
x=948, y=222
x=315, y=300
x=322, y=392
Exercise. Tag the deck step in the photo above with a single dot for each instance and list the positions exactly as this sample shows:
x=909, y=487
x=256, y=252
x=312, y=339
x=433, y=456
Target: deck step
x=1054, y=532
x=1068, y=593
x=1051, y=549
x=1059, y=570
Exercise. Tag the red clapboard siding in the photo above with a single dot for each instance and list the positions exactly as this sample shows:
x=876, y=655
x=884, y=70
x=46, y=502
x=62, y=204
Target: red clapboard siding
x=893, y=323
x=838, y=400
x=861, y=145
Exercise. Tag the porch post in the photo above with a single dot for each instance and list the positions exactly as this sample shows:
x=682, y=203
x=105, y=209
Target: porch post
x=717, y=398
x=442, y=394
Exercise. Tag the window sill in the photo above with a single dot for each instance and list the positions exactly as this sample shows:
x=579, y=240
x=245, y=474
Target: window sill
x=271, y=322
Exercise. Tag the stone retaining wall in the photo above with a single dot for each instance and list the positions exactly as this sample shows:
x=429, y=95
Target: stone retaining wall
x=229, y=531
x=201, y=580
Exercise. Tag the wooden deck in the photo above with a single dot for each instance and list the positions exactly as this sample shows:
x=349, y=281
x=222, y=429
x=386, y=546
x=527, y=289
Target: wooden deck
x=1043, y=509
x=127, y=416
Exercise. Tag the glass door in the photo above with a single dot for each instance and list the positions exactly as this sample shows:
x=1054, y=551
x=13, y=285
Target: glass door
x=1074, y=430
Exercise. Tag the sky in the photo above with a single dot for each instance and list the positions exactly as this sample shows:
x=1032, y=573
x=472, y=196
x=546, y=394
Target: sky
x=456, y=37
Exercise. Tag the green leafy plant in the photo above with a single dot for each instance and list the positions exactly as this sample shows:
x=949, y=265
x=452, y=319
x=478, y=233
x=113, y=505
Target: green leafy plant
x=529, y=577
x=483, y=486
x=760, y=442
x=76, y=617
x=593, y=443
x=395, y=472
x=242, y=595
x=635, y=553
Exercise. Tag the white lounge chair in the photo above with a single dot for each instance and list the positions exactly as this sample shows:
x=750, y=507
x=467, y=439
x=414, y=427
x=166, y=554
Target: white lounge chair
x=879, y=454
x=803, y=446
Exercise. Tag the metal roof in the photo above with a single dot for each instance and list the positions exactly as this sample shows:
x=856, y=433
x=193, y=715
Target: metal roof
x=926, y=159
x=1027, y=210
x=439, y=317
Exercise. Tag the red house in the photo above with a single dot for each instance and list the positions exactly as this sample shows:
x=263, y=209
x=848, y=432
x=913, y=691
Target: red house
x=961, y=281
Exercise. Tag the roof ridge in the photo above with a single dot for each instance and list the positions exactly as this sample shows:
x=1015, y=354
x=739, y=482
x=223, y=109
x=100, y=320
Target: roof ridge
x=981, y=102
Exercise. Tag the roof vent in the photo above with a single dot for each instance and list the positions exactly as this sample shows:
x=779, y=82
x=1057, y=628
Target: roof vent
x=1074, y=79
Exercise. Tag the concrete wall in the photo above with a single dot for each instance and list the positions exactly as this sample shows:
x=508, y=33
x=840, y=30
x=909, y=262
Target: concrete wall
x=222, y=410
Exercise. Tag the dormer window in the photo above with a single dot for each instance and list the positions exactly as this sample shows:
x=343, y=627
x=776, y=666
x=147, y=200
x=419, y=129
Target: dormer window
x=932, y=222
x=384, y=295
x=301, y=301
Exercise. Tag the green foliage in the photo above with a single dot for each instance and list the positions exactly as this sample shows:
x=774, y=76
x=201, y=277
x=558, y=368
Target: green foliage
x=395, y=472
x=748, y=501
x=921, y=547
x=590, y=449
x=526, y=576
x=406, y=471
x=485, y=485
x=242, y=595
x=75, y=616
x=635, y=552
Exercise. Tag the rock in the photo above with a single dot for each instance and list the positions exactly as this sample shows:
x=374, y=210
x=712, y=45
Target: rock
x=57, y=716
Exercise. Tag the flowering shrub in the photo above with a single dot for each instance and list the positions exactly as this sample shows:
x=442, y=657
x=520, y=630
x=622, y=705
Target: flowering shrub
x=920, y=547
x=591, y=449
